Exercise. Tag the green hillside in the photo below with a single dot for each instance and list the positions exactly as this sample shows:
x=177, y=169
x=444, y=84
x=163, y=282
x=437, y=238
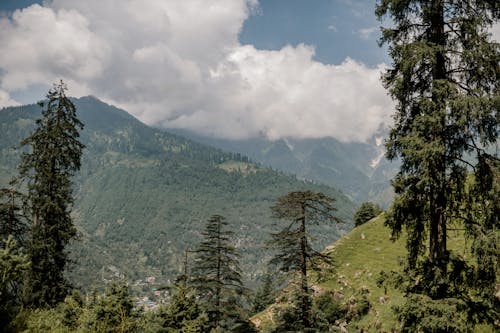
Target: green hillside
x=143, y=195
x=358, y=169
x=359, y=257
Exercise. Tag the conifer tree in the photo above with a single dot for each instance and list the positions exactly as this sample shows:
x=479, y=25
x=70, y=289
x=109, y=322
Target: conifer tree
x=13, y=259
x=13, y=264
x=445, y=80
x=114, y=311
x=12, y=216
x=53, y=157
x=217, y=275
x=366, y=212
x=183, y=313
x=293, y=243
x=265, y=295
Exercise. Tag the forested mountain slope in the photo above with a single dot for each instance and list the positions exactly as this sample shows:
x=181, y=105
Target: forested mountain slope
x=359, y=169
x=143, y=195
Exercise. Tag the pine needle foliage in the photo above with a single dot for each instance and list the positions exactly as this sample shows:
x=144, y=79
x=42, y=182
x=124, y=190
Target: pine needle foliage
x=217, y=274
x=293, y=243
x=13, y=220
x=183, y=313
x=54, y=156
x=445, y=81
x=13, y=264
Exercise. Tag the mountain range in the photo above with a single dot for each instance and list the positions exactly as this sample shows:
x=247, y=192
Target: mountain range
x=143, y=195
x=359, y=169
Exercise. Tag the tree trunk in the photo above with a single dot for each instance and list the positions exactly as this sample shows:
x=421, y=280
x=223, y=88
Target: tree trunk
x=303, y=269
x=437, y=236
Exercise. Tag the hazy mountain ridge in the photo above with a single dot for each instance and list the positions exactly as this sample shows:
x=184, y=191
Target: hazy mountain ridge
x=360, y=170
x=143, y=195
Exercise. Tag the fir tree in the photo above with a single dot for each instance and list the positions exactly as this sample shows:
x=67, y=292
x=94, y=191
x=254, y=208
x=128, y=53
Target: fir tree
x=12, y=216
x=114, y=311
x=183, y=312
x=265, y=295
x=366, y=212
x=53, y=158
x=13, y=264
x=445, y=80
x=293, y=243
x=217, y=275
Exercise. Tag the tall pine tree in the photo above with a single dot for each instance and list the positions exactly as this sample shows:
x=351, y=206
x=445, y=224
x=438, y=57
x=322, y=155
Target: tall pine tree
x=445, y=80
x=295, y=253
x=53, y=158
x=217, y=276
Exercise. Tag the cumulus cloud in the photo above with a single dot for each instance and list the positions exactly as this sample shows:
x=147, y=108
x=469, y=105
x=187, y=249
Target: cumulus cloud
x=179, y=64
x=40, y=44
x=5, y=100
x=286, y=93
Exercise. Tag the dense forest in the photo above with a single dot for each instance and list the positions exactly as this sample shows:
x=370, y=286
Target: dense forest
x=95, y=224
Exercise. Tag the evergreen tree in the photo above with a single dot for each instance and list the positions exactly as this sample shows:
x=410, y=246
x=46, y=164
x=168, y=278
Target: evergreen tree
x=12, y=218
x=265, y=295
x=13, y=264
x=366, y=212
x=445, y=80
x=13, y=259
x=53, y=158
x=217, y=275
x=114, y=311
x=183, y=313
x=295, y=253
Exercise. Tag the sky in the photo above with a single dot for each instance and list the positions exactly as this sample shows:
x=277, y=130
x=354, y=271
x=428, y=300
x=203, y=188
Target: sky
x=228, y=68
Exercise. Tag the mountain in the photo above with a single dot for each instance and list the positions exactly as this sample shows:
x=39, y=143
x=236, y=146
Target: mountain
x=360, y=170
x=143, y=195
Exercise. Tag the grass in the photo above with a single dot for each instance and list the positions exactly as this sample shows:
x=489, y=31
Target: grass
x=359, y=257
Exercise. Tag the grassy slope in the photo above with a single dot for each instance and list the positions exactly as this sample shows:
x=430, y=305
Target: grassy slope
x=361, y=255
x=359, y=258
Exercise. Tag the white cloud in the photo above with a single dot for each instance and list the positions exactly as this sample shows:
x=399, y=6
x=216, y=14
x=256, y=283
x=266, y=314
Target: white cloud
x=367, y=33
x=179, y=64
x=5, y=100
x=40, y=44
x=286, y=93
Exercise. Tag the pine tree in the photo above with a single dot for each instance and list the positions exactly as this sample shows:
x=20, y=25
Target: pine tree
x=113, y=312
x=293, y=243
x=12, y=216
x=54, y=157
x=183, y=313
x=265, y=295
x=13, y=260
x=366, y=212
x=13, y=264
x=217, y=274
x=445, y=80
